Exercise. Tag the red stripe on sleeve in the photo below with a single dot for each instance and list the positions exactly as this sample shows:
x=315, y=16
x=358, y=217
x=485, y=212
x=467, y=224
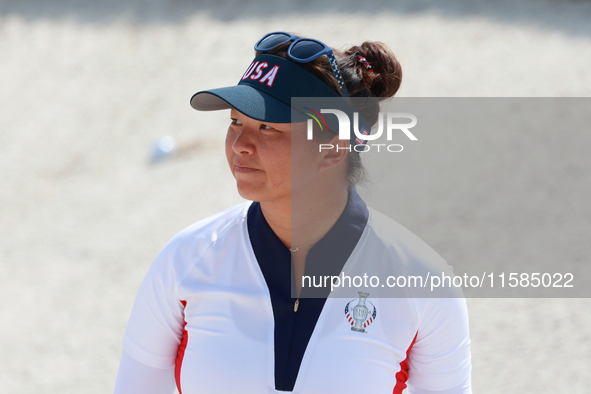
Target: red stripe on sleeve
x=181, y=353
x=402, y=375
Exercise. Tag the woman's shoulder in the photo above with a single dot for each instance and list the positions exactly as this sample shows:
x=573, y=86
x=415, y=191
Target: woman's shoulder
x=414, y=259
x=409, y=253
x=216, y=224
x=398, y=238
x=188, y=245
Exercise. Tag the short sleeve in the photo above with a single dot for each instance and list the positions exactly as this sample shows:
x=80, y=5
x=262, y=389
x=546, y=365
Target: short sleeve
x=137, y=377
x=440, y=358
x=155, y=326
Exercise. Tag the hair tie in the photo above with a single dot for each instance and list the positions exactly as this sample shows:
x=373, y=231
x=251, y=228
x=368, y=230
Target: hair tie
x=365, y=63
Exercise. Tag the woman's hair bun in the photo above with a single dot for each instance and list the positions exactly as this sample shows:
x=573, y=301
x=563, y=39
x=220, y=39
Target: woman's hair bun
x=382, y=79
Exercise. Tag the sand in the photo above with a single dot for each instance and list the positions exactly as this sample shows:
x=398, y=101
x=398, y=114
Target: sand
x=86, y=87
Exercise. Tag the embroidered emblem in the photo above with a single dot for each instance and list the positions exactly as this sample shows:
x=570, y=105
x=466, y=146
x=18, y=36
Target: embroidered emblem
x=360, y=316
x=255, y=71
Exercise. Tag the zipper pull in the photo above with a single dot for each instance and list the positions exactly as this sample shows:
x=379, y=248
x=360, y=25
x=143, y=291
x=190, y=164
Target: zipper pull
x=296, y=305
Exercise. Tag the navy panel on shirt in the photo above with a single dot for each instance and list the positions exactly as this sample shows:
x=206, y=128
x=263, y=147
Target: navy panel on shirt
x=294, y=329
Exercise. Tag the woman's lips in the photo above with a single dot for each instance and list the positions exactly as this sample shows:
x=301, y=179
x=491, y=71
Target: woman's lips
x=244, y=170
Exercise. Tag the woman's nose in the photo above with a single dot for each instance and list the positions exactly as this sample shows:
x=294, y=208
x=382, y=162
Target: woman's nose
x=244, y=141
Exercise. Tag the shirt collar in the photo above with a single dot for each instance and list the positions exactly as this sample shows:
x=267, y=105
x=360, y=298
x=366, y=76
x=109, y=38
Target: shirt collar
x=327, y=257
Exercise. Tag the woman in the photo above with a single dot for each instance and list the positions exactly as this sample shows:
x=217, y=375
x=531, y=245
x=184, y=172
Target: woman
x=218, y=312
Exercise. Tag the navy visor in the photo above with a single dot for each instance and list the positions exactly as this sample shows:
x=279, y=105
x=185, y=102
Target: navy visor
x=265, y=90
x=265, y=93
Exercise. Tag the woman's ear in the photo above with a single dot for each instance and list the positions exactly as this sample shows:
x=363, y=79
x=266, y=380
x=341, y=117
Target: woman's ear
x=334, y=152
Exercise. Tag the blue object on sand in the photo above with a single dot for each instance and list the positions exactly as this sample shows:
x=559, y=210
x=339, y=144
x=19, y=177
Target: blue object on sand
x=163, y=148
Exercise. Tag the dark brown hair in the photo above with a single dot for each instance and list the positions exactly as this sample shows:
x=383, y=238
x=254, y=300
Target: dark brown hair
x=382, y=83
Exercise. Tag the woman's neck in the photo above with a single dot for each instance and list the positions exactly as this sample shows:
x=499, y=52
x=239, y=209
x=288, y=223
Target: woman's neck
x=307, y=217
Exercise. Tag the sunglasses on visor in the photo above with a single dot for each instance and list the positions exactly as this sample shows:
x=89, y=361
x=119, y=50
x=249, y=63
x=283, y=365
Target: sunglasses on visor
x=303, y=50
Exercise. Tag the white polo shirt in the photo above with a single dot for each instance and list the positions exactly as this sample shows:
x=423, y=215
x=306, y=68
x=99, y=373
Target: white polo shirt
x=216, y=304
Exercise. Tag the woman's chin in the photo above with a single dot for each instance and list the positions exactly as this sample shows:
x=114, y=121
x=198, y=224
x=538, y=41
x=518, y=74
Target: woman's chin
x=249, y=191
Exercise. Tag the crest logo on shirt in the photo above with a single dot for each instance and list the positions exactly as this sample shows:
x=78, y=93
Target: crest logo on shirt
x=359, y=315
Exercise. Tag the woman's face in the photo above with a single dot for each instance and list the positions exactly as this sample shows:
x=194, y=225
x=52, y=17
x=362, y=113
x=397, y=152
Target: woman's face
x=259, y=155
x=273, y=162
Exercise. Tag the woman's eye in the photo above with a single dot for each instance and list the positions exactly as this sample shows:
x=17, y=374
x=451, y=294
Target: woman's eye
x=236, y=121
